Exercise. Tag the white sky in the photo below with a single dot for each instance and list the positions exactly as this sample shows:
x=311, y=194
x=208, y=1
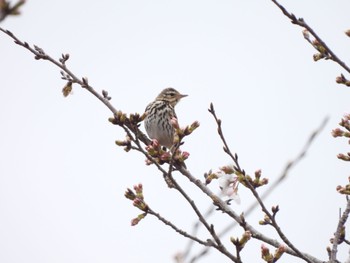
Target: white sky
x=62, y=179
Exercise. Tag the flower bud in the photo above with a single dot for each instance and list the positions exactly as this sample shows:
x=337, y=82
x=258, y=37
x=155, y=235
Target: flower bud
x=347, y=32
x=337, y=132
x=279, y=252
x=129, y=194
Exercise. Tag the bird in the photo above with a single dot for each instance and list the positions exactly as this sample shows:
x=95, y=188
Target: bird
x=159, y=114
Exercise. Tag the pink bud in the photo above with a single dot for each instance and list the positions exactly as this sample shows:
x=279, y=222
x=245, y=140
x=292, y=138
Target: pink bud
x=227, y=169
x=264, y=250
x=135, y=221
x=340, y=79
x=258, y=173
x=337, y=132
x=165, y=156
x=185, y=155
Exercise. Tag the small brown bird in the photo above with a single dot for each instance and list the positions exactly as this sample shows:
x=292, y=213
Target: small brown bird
x=159, y=114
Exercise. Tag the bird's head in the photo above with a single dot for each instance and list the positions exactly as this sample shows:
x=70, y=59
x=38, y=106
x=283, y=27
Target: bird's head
x=170, y=95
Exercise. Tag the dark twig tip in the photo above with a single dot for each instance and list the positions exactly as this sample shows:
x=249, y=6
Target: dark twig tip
x=9, y=33
x=211, y=108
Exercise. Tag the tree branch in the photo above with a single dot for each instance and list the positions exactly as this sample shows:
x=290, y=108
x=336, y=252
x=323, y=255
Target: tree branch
x=178, y=230
x=301, y=22
x=337, y=234
x=248, y=184
x=40, y=54
x=268, y=191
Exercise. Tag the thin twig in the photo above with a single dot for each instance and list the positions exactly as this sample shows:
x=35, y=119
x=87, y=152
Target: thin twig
x=301, y=22
x=178, y=230
x=275, y=224
x=195, y=230
x=226, y=147
x=337, y=234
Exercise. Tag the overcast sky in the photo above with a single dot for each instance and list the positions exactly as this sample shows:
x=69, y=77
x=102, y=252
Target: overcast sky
x=62, y=178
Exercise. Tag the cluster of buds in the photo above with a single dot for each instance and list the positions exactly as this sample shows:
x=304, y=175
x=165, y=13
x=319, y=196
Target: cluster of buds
x=267, y=256
x=160, y=155
x=121, y=119
x=320, y=48
x=137, y=197
x=126, y=143
x=345, y=122
x=63, y=59
x=180, y=133
x=338, y=132
x=106, y=95
x=345, y=190
x=138, y=201
x=255, y=183
x=240, y=243
x=157, y=152
x=190, y=128
x=210, y=176
x=135, y=118
x=267, y=219
x=323, y=53
x=181, y=156
x=342, y=80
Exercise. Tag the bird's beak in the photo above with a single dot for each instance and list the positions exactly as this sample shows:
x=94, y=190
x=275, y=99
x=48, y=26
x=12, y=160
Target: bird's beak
x=182, y=96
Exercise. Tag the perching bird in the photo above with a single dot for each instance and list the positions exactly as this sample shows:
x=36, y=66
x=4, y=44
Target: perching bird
x=159, y=114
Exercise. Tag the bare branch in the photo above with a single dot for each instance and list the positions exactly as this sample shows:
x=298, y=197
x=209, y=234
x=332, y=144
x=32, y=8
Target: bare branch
x=178, y=230
x=226, y=147
x=337, y=234
x=275, y=225
x=329, y=54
